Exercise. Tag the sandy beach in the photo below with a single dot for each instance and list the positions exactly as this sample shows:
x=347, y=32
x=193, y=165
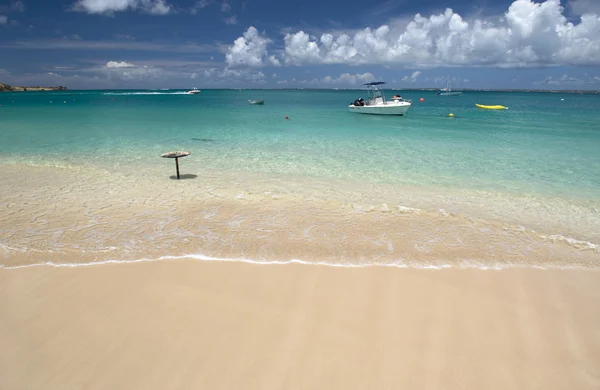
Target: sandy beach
x=185, y=324
x=309, y=254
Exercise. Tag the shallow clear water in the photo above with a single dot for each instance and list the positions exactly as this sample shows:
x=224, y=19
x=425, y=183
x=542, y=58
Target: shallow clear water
x=541, y=145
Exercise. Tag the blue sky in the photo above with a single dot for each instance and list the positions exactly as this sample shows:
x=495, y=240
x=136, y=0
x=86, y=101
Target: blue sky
x=554, y=44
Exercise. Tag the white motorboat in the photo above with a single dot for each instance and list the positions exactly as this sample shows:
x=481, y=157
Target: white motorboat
x=194, y=91
x=257, y=102
x=376, y=103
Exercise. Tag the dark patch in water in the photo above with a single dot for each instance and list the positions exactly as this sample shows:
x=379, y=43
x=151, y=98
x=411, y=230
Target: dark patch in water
x=185, y=176
x=203, y=139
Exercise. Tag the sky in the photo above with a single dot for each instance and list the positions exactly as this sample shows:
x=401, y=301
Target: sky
x=146, y=44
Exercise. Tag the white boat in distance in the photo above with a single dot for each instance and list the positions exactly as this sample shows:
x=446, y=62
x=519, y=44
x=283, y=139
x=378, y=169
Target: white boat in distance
x=376, y=103
x=257, y=102
x=194, y=91
x=447, y=91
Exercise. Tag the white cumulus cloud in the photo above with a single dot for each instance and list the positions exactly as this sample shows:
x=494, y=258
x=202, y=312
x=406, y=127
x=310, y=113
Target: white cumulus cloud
x=413, y=77
x=528, y=34
x=158, y=7
x=155, y=7
x=347, y=79
x=117, y=64
x=230, y=20
x=250, y=50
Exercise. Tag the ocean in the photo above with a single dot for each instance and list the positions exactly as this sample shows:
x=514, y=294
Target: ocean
x=83, y=180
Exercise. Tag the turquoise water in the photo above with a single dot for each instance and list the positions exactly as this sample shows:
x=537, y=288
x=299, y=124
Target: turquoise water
x=542, y=146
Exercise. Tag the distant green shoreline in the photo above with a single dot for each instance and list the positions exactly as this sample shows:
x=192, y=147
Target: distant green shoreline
x=10, y=88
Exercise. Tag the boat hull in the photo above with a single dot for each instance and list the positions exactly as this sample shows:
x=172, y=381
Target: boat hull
x=390, y=108
x=449, y=94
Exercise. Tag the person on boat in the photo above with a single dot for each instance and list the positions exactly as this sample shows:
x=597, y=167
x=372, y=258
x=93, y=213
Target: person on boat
x=359, y=102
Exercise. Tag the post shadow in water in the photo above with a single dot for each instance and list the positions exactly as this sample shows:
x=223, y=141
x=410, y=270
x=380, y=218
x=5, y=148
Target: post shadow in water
x=183, y=177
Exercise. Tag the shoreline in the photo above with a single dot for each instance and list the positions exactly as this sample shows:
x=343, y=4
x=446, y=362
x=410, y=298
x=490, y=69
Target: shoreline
x=111, y=218
x=232, y=325
x=200, y=258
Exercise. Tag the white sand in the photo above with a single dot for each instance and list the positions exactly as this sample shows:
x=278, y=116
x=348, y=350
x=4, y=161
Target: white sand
x=208, y=325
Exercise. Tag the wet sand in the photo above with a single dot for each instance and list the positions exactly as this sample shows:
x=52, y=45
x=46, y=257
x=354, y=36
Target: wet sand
x=185, y=324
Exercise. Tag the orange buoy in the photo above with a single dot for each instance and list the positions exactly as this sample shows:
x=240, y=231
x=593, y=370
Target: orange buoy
x=286, y=117
x=421, y=100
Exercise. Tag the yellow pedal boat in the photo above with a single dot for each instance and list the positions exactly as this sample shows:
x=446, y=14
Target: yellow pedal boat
x=492, y=107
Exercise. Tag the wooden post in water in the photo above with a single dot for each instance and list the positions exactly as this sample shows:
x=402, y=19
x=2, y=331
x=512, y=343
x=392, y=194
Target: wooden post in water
x=176, y=155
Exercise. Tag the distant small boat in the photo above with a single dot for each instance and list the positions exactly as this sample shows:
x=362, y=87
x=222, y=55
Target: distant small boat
x=447, y=91
x=491, y=107
x=194, y=91
x=258, y=102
